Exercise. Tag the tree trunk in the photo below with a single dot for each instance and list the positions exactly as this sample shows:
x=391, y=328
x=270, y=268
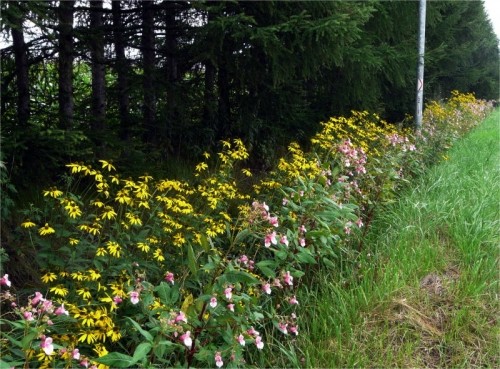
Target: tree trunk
x=209, y=103
x=21, y=59
x=66, y=103
x=122, y=70
x=224, y=109
x=98, y=105
x=148, y=55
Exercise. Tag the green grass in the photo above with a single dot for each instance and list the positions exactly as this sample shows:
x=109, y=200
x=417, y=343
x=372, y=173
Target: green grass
x=424, y=292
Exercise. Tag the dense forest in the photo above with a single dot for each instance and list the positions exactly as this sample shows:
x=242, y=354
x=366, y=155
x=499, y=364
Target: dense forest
x=152, y=83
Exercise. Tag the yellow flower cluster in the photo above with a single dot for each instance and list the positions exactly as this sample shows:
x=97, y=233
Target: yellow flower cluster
x=298, y=166
x=366, y=131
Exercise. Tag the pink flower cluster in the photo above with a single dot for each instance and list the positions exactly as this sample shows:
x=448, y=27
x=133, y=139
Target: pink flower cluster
x=402, y=141
x=353, y=157
x=243, y=260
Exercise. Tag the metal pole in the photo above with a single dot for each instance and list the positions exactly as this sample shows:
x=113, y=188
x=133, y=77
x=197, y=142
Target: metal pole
x=420, y=68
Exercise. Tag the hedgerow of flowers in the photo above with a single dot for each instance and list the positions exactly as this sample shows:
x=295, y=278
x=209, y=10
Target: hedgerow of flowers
x=144, y=272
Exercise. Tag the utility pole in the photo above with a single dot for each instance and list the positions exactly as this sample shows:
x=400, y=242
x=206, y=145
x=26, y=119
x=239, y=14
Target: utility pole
x=420, y=68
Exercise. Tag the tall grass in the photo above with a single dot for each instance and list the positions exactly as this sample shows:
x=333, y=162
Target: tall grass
x=424, y=292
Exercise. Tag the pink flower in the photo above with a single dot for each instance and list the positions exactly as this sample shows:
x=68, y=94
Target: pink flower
x=293, y=300
x=28, y=315
x=259, y=343
x=46, y=345
x=243, y=259
x=293, y=329
x=283, y=327
x=302, y=242
x=241, y=340
x=213, y=302
x=181, y=317
x=253, y=332
x=186, y=339
x=273, y=221
x=266, y=288
x=230, y=307
x=218, y=359
x=84, y=363
x=117, y=300
x=5, y=280
x=169, y=277
x=134, y=297
x=61, y=310
x=270, y=239
x=76, y=354
x=265, y=206
x=38, y=297
x=285, y=201
x=359, y=223
x=302, y=229
x=46, y=306
x=288, y=279
x=277, y=283
x=228, y=292
x=284, y=240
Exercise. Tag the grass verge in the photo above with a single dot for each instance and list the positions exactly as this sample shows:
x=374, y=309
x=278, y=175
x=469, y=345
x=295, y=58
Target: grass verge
x=424, y=292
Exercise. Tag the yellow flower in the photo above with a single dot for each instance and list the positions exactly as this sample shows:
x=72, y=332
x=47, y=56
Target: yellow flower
x=48, y=277
x=117, y=289
x=179, y=239
x=77, y=276
x=107, y=165
x=89, y=337
x=201, y=167
x=158, y=255
x=53, y=192
x=133, y=219
x=143, y=246
x=97, y=203
x=59, y=290
x=85, y=293
x=101, y=251
x=74, y=241
x=46, y=230
x=73, y=209
x=28, y=224
x=93, y=275
x=123, y=197
x=114, y=248
x=109, y=213
x=114, y=334
x=246, y=172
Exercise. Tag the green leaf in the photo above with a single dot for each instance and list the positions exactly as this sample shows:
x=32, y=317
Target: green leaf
x=168, y=295
x=266, y=267
x=11, y=364
x=328, y=263
x=235, y=276
x=281, y=255
x=144, y=333
x=141, y=351
x=305, y=256
x=26, y=341
x=116, y=360
x=241, y=235
x=297, y=273
x=191, y=260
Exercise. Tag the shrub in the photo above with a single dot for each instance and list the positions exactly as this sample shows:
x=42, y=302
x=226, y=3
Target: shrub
x=148, y=272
